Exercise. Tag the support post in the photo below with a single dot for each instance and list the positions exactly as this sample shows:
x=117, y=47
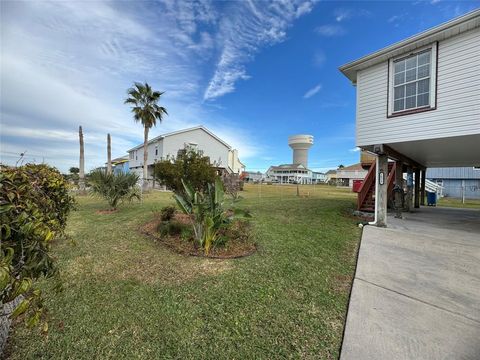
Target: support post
x=417, y=188
x=382, y=190
x=422, y=189
x=409, y=196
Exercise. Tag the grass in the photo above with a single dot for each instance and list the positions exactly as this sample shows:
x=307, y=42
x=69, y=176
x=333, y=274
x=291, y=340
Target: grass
x=457, y=203
x=126, y=297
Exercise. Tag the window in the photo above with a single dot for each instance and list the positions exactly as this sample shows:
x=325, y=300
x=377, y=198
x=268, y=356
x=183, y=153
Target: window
x=412, y=82
x=156, y=150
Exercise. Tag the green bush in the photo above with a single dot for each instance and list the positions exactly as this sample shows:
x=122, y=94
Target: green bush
x=189, y=166
x=115, y=188
x=172, y=228
x=208, y=213
x=34, y=206
x=167, y=213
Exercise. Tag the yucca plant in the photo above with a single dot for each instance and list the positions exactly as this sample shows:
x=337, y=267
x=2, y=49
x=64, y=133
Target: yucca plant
x=207, y=212
x=114, y=188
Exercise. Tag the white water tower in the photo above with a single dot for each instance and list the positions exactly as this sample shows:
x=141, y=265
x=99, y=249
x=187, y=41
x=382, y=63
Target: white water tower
x=300, y=145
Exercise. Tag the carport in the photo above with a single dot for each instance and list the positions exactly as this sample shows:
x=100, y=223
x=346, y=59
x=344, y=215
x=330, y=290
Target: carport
x=416, y=291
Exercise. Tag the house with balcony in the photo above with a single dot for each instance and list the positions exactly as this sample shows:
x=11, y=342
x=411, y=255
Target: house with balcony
x=169, y=145
x=418, y=106
x=290, y=174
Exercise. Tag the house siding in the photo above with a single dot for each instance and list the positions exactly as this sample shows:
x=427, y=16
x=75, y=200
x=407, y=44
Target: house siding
x=453, y=173
x=458, y=98
x=219, y=152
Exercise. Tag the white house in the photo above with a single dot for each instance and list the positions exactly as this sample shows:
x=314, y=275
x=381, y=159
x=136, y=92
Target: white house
x=418, y=103
x=199, y=138
x=290, y=173
x=346, y=175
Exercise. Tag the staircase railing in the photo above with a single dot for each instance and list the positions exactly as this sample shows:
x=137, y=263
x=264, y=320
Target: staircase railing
x=366, y=185
x=391, y=178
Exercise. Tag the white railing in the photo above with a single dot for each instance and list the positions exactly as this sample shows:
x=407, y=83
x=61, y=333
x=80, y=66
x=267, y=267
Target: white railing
x=430, y=186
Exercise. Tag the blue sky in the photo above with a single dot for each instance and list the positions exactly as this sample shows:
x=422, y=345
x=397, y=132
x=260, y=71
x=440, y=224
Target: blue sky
x=253, y=72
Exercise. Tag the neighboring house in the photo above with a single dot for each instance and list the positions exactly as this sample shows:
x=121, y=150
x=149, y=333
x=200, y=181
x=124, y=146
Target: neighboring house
x=346, y=175
x=250, y=176
x=290, y=174
x=199, y=138
x=418, y=103
x=463, y=182
x=120, y=165
x=331, y=175
x=318, y=177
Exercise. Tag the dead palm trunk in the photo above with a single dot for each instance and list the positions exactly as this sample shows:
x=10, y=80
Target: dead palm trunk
x=81, y=173
x=109, y=154
x=145, y=158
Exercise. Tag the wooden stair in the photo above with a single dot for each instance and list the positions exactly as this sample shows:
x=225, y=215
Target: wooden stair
x=366, y=194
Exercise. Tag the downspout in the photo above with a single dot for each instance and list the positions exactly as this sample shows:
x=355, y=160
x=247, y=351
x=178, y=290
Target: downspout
x=374, y=222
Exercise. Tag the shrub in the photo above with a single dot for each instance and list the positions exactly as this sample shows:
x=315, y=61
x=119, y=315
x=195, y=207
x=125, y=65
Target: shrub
x=167, y=213
x=189, y=166
x=233, y=185
x=172, y=228
x=207, y=211
x=115, y=188
x=34, y=206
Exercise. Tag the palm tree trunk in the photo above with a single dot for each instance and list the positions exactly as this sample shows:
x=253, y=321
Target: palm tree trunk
x=145, y=158
x=81, y=173
x=109, y=154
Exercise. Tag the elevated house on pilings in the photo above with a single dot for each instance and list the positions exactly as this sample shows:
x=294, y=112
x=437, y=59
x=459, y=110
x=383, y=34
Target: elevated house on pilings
x=418, y=105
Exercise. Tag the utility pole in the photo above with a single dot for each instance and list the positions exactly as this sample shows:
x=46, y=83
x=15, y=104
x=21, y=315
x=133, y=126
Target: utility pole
x=109, y=154
x=81, y=173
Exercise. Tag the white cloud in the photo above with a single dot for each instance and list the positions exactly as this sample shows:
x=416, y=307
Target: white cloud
x=312, y=91
x=249, y=27
x=330, y=30
x=65, y=64
x=433, y=2
x=355, y=149
x=304, y=8
x=342, y=14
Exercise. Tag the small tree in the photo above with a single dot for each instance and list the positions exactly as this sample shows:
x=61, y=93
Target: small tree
x=115, y=188
x=189, y=166
x=74, y=170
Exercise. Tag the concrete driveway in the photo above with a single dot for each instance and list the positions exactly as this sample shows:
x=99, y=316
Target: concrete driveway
x=416, y=292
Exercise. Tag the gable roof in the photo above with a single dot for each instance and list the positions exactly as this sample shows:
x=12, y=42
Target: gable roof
x=443, y=31
x=200, y=127
x=353, y=167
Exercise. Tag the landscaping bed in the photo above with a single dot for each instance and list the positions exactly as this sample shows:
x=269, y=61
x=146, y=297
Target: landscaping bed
x=234, y=248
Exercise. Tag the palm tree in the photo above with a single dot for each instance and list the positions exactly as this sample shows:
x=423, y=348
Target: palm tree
x=81, y=172
x=109, y=154
x=144, y=101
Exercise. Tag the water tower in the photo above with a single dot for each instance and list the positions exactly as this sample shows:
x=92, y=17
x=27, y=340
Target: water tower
x=300, y=145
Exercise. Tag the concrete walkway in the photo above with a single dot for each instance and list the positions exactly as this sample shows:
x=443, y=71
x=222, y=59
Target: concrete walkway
x=416, y=292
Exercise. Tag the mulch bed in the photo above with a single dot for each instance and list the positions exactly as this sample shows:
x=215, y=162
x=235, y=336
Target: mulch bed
x=106, y=211
x=233, y=249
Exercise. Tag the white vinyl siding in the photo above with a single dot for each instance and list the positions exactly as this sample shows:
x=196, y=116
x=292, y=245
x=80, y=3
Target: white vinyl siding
x=457, y=103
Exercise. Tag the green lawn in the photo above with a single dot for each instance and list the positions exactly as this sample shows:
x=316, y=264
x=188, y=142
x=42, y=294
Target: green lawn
x=455, y=202
x=127, y=297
